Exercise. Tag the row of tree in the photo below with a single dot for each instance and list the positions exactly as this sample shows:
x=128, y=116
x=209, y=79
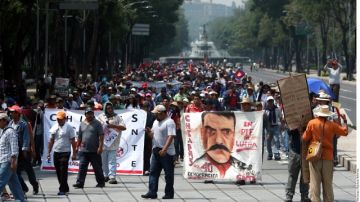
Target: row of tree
x=97, y=41
x=280, y=32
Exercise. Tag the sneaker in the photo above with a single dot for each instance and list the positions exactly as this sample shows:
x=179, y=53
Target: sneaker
x=269, y=158
x=277, y=157
x=288, y=198
x=146, y=173
x=100, y=185
x=61, y=193
x=5, y=196
x=107, y=179
x=167, y=197
x=149, y=196
x=113, y=181
x=78, y=186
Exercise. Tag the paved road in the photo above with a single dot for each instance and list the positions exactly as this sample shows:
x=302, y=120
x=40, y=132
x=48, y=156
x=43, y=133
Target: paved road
x=347, y=91
x=270, y=189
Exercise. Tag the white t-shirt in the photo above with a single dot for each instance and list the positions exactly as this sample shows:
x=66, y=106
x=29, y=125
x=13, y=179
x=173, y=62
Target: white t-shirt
x=334, y=75
x=161, y=131
x=62, y=136
x=116, y=120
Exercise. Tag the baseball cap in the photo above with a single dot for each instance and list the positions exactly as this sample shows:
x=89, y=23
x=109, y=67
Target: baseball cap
x=88, y=109
x=61, y=115
x=15, y=108
x=159, y=109
x=4, y=116
x=133, y=89
x=148, y=95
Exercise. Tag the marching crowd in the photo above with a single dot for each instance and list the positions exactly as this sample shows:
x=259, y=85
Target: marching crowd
x=165, y=93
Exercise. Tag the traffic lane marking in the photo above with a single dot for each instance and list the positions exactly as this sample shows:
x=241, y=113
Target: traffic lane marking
x=348, y=98
x=346, y=90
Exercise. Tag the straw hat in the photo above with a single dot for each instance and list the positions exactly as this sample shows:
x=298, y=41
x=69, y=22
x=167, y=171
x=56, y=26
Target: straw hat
x=323, y=97
x=246, y=100
x=324, y=111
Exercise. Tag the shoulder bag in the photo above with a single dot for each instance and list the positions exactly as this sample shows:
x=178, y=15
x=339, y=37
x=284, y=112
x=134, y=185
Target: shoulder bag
x=314, y=150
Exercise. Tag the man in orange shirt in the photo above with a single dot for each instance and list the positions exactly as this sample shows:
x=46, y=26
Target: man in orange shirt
x=195, y=106
x=321, y=171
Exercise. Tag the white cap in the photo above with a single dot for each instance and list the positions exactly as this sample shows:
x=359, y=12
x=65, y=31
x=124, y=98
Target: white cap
x=269, y=98
x=133, y=89
x=158, y=109
x=4, y=116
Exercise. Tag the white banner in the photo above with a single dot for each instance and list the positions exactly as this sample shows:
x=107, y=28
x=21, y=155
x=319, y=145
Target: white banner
x=223, y=145
x=129, y=155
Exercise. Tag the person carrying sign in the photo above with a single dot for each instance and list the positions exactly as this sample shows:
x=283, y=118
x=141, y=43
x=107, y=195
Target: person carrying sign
x=113, y=124
x=62, y=138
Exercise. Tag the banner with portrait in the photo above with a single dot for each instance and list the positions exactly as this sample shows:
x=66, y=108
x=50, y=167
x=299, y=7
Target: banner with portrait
x=223, y=145
x=129, y=155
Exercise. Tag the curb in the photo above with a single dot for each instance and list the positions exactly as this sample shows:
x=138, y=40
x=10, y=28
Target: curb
x=348, y=162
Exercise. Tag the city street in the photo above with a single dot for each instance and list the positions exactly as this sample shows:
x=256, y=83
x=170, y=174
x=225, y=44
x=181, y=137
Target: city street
x=347, y=89
x=271, y=188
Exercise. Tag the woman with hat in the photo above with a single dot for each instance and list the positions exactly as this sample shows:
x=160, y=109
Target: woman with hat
x=321, y=171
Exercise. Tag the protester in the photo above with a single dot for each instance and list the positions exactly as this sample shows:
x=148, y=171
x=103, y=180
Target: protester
x=162, y=132
x=89, y=147
x=196, y=105
x=272, y=123
x=24, y=160
x=9, y=152
x=62, y=139
x=334, y=69
x=294, y=168
x=321, y=171
x=113, y=124
x=39, y=133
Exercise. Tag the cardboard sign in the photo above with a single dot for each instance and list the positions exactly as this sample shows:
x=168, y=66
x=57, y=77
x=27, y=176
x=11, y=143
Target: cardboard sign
x=295, y=98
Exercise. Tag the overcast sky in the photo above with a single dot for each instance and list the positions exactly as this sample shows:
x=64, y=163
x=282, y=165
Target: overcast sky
x=226, y=2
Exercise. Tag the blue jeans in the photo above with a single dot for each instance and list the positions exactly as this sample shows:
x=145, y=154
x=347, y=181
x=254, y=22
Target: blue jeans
x=158, y=163
x=286, y=140
x=273, y=132
x=7, y=176
x=108, y=158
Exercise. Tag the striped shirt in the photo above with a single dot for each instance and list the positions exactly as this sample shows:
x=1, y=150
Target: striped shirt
x=8, y=144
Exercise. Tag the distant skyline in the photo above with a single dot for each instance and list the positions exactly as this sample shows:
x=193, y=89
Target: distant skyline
x=226, y=2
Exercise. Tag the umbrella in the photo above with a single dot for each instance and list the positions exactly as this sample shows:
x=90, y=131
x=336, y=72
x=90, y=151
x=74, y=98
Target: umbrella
x=315, y=85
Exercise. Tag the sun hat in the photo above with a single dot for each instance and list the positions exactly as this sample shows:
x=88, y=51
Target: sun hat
x=324, y=111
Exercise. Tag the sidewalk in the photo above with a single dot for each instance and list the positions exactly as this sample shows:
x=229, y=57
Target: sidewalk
x=130, y=188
